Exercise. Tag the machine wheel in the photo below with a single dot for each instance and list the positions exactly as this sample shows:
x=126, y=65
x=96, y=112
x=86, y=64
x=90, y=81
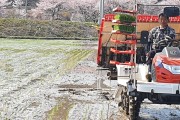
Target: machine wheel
x=129, y=105
x=134, y=108
x=153, y=73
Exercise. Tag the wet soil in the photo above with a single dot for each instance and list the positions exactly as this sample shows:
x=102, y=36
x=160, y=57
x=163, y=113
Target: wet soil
x=59, y=80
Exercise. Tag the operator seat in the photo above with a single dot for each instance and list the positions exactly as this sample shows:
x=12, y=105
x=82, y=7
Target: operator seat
x=141, y=51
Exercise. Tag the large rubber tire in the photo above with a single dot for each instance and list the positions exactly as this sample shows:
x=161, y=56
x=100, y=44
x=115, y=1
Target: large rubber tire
x=153, y=73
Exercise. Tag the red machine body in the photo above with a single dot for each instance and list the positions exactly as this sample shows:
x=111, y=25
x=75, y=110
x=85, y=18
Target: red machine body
x=166, y=66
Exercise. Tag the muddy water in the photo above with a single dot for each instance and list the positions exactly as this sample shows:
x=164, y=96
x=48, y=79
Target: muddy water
x=57, y=80
x=30, y=75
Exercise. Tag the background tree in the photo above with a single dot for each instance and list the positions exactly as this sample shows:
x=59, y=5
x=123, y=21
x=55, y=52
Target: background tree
x=73, y=10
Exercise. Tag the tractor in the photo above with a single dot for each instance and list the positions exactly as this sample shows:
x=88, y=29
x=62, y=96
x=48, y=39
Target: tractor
x=122, y=48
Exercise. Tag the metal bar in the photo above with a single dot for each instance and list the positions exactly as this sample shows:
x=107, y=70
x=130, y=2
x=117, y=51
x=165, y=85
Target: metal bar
x=101, y=11
x=135, y=45
x=123, y=76
x=102, y=69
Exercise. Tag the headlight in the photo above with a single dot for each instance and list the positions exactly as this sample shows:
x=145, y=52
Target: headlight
x=173, y=69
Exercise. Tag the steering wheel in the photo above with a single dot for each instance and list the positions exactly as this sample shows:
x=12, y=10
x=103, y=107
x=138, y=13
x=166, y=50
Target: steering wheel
x=162, y=43
x=168, y=42
x=174, y=43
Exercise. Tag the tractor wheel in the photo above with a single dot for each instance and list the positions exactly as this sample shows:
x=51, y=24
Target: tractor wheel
x=153, y=73
x=129, y=105
x=134, y=108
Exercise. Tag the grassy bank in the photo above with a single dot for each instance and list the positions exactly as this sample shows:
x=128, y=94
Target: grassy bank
x=20, y=28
